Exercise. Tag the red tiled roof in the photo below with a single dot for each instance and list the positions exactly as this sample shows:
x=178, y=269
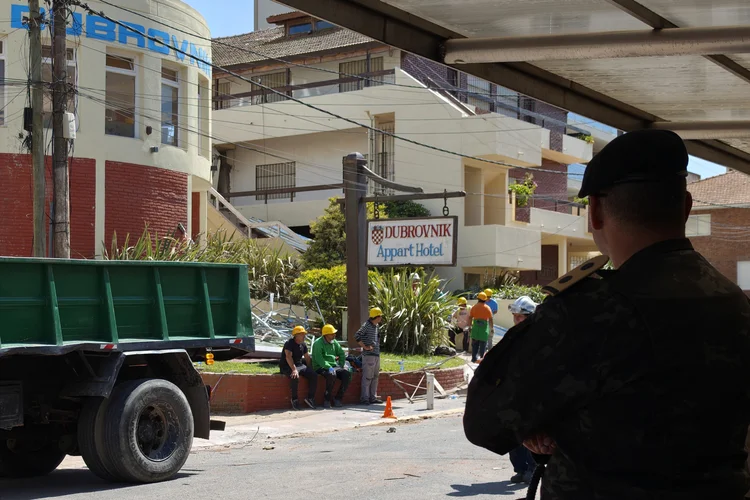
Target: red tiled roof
x=732, y=188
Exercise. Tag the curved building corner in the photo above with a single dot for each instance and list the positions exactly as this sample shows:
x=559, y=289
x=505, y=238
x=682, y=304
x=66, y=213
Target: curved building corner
x=142, y=153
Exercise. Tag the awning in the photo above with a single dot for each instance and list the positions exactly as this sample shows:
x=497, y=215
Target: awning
x=652, y=63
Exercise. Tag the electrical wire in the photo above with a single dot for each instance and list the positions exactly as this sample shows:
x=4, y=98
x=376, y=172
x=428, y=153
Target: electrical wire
x=352, y=121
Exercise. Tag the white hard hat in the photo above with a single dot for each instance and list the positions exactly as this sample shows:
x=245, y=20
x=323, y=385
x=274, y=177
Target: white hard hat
x=522, y=305
x=415, y=277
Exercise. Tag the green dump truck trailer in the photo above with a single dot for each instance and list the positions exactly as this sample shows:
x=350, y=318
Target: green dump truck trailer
x=96, y=360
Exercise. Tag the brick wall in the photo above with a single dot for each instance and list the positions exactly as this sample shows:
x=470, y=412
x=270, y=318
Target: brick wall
x=242, y=393
x=137, y=196
x=549, y=185
x=722, y=249
x=557, y=127
x=195, y=216
x=17, y=205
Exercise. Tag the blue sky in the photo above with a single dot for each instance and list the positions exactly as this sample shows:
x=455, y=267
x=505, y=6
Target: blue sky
x=226, y=17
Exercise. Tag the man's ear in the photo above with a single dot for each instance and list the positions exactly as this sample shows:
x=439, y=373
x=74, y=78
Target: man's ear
x=688, y=204
x=595, y=212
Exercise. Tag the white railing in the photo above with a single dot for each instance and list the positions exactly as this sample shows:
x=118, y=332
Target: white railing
x=245, y=222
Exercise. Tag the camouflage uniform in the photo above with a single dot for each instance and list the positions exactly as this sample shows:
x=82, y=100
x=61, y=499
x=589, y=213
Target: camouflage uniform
x=642, y=378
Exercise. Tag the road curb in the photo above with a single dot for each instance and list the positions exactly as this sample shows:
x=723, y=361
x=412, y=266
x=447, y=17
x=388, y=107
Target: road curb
x=243, y=437
x=424, y=416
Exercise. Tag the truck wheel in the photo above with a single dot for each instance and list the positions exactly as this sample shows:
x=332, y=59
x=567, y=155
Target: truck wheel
x=148, y=430
x=27, y=459
x=91, y=438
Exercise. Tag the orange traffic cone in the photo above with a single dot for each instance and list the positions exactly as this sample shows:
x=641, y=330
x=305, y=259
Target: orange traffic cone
x=388, y=413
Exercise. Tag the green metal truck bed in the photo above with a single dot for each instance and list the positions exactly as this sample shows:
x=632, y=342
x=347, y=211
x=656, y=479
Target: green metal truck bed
x=51, y=306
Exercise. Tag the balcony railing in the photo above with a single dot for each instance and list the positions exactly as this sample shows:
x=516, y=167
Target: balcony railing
x=326, y=87
x=542, y=202
x=556, y=205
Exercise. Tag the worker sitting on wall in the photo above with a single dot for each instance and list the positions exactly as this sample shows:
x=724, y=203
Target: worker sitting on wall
x=291, y=365
x=328, y=360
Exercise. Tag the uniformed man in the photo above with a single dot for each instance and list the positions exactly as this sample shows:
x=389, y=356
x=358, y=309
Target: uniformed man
x=634, y=383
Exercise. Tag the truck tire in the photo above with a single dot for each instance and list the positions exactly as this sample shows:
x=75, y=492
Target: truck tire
x=91, y=438
x=29, y=460
x=148, y=430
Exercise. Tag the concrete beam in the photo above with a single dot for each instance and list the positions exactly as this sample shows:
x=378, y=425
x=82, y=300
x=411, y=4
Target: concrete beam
x=604, y=45
x=707, y=130
x=410, y=33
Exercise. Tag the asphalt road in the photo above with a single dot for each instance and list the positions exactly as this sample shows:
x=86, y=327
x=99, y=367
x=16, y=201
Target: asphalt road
x=421, y=460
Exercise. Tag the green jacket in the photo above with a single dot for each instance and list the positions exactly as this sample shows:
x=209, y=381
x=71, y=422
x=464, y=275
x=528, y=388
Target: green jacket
x=324, y=354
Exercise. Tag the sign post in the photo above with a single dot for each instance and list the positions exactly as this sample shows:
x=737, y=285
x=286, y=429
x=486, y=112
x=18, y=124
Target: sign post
x=433, y=244
x=355, y=188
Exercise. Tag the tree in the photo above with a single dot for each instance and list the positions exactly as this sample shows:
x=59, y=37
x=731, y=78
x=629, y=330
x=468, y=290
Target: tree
x=328, y=247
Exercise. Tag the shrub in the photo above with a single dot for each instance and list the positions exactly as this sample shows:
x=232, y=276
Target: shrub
x=512, y=292
x=270, y=270
x=329, y=288
x=405, y=209
x=412, y=324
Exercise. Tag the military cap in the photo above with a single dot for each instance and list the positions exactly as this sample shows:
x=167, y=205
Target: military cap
x=638, y=156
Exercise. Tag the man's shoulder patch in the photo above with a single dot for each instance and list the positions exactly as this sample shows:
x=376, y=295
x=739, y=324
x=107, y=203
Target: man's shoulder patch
x=576, y=275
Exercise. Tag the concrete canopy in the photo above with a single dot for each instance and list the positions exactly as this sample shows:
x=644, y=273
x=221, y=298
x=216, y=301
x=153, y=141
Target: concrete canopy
x=683, y=85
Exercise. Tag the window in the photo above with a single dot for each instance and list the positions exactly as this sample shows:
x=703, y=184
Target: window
x=273, y=80
x=323, y=25
x=47, y=79
x=481, y=97
x=698, y=225
x=743, y=274
x=360, y=68
x=2, y=76
x=383, y=163
x=120, y=97
x=275, y=176
x=295, y=29
x=204, y=142
x=170, y=106
x=221, y=89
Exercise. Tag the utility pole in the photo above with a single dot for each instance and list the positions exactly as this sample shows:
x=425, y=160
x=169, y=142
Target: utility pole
x=59, y=142
x=37, y=127
x=356, y=239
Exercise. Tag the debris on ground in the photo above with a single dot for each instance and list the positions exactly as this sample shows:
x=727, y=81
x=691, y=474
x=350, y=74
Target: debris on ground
x=391, y=429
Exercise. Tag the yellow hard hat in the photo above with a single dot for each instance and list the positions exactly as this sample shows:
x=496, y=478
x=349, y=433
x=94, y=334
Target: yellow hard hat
x=488, y=292
x=461, y=301
x=297, y=330
x=375, y=312
x=328, y=330
x=482, y=296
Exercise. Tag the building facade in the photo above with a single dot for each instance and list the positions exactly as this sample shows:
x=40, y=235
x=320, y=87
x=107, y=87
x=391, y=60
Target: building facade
x=269, y=142
x=142, y=154
x=719, y=224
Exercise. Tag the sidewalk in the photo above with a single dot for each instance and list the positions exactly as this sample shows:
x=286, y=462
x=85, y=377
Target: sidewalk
x=284, y=424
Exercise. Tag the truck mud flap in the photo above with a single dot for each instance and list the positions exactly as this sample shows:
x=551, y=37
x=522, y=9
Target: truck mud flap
x=218, y=425
x=11, y=405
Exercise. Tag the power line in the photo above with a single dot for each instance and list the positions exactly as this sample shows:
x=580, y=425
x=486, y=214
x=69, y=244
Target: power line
x=374, y=129
x=338, y=73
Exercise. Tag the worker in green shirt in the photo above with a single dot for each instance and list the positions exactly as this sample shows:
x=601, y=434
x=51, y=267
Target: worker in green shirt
x=328, y=359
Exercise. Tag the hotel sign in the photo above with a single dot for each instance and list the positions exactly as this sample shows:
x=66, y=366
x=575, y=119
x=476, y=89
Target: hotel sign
x=430, y=241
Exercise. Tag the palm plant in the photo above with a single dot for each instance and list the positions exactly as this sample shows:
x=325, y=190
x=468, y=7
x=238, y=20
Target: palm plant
x=270, y=270
x=412, y=323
